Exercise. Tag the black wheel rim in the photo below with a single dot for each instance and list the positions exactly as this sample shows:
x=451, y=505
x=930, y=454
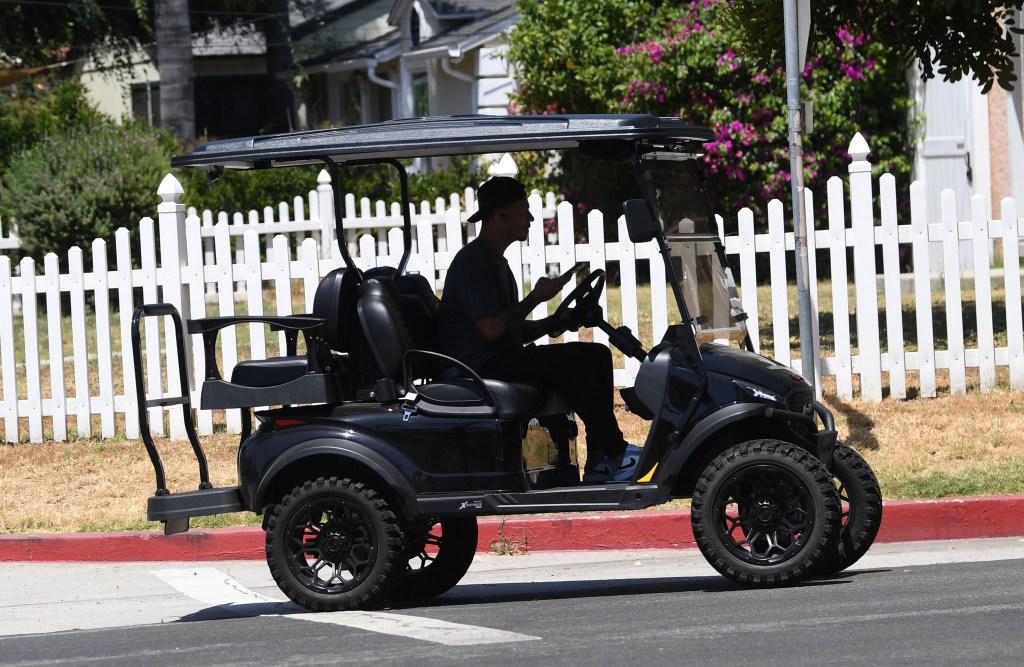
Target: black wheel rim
x=764, y=514
x=847, y=512
x=426, y=544
x=331, y=547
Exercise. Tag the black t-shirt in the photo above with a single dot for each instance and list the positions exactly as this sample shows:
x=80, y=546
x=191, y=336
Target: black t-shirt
x=479, y=283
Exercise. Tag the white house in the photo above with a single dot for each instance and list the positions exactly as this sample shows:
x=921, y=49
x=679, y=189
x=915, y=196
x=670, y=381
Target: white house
x=419, y=57
x=357, y=61
x=229, y=79
x=971, y=142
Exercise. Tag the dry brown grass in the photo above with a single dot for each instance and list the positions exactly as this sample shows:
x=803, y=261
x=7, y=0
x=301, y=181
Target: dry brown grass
x=952, y=445
x=103, y=485
x=919, y=448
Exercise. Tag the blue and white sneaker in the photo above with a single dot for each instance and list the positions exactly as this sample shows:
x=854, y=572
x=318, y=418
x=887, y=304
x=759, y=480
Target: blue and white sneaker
x=603, y=473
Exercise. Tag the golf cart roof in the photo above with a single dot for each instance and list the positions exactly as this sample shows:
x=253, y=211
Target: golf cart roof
x=441, y=135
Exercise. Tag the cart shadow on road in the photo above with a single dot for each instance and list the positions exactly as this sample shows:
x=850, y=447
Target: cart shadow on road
x=471, y=594
x=561, y=590
x=237, y=610
x=467, y=594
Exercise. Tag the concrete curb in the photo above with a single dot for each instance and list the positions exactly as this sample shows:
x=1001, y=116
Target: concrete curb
x=902, y=521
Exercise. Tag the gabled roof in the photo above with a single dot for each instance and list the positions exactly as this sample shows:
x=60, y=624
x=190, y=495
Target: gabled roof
x=469, y=23
x=472, y=33
x=385, y=47
x=230, y=41
x=335, y=10
x=463, y=7
x=450, y=10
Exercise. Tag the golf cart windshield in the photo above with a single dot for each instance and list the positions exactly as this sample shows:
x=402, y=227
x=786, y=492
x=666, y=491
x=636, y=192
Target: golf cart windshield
x=684, y=211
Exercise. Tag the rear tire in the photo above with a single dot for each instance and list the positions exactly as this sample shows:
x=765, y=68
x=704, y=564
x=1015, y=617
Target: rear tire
x=765, y=513
x=334, y=544
x=439, y=552
x=861, y=499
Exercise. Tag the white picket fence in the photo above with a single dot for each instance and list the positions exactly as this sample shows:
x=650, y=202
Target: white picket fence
x=301, y=219
x=202, y=266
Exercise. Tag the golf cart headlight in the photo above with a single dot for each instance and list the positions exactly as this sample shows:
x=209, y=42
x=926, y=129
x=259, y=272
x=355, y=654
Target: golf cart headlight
x=759, y=393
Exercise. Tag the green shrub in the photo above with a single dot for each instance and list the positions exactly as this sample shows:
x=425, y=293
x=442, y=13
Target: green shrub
x=74, y=187
x=34, y=110
x=244, y=191
x=71, y=175
x=459, y=173
x=678, y=59
x=253, y=190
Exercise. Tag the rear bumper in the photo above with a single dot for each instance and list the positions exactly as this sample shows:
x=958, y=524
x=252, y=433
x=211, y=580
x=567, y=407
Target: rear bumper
x=203, y=502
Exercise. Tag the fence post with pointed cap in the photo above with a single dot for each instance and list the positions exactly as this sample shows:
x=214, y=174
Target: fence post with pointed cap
x=171, y=221
x=325, y=201
x=862, y=222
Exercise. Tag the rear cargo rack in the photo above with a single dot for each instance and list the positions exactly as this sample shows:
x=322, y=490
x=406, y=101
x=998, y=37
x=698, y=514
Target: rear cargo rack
x=175, y=509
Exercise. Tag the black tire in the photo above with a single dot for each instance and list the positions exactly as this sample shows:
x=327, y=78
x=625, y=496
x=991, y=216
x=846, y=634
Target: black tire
x=334, y=544
x=437, y=559
x=861, y=516
x=765, y=513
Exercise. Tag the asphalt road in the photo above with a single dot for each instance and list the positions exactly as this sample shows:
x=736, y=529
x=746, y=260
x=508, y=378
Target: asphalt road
x=928, y=603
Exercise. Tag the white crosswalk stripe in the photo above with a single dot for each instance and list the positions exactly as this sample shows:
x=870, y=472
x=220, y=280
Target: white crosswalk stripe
x=211, y=586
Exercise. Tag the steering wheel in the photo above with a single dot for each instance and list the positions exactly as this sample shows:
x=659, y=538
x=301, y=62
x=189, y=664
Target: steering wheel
x=581, y=307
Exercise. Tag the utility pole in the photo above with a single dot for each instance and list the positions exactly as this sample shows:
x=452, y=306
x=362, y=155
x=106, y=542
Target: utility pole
x=797, y=119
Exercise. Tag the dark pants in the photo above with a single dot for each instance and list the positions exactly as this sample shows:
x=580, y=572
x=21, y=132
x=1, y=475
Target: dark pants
x=582, y=372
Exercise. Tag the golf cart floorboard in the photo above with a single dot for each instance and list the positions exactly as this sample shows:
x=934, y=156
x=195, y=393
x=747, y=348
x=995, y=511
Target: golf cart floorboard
x=592, y=497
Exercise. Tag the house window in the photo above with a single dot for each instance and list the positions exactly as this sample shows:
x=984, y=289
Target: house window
x=146, y=102
x=314, y=98
x=384, y=111
x=420, y=94
x=414, y=27
x=231, y=106
x=351, y=103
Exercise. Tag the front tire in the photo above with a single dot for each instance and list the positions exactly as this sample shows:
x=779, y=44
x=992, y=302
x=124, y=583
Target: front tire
x=438, y=552
x=765, y=513
x=861, y=499
x=334, y=544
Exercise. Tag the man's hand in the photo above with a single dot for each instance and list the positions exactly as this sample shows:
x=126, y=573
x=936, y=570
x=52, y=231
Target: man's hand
x=495, y=327
x=545, y=289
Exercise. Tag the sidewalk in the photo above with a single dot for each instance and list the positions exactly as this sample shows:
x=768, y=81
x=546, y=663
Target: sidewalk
x=902, y=521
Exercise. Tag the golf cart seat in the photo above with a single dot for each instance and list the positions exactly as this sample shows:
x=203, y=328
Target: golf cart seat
x=313, y=377
x=441, y=384
x=418, y=304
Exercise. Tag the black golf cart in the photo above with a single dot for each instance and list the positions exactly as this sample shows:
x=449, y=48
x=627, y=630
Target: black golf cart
x=372, y=473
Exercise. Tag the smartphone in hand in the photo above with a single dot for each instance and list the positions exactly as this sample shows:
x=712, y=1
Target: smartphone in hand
x=577, y=269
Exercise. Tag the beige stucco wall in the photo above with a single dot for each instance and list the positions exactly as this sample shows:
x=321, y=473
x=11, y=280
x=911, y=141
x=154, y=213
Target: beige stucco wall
x=109, y=87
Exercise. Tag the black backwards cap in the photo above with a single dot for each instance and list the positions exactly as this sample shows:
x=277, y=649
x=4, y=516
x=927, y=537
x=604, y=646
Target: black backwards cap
x=497, y=193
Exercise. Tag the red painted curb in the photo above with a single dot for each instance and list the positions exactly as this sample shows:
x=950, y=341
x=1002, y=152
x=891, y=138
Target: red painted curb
x=644, y=529
x=952, y=518
x=241, y=543
x=902, y=521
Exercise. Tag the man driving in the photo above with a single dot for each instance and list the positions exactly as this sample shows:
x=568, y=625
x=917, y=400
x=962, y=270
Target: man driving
x=483, y=324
